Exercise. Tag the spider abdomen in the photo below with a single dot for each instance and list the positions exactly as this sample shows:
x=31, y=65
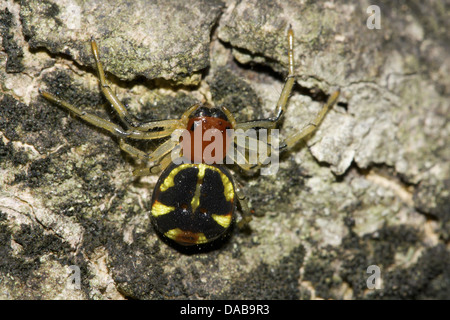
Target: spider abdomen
x=193, y=203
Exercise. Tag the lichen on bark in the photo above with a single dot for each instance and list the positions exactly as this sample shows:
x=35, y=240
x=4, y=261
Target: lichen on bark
x=369, y=187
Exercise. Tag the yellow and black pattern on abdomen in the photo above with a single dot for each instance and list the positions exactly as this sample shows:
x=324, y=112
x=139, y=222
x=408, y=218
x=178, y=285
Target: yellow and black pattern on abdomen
x=193, y=203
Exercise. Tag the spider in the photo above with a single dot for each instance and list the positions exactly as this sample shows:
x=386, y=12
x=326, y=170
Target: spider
x=194, y=201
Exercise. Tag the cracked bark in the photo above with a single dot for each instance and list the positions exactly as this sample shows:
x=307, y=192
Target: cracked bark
x=370, y=187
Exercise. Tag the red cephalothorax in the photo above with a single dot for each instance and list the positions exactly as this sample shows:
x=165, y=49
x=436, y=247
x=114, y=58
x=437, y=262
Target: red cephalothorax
x=209, y=140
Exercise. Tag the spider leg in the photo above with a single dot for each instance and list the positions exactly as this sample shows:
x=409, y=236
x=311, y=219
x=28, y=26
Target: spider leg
x=157, y=158
x=164, y=162
x=168, y=126
x=175, y=123
x=160, y=157
x=282, y=102
x=229, y=116
x=122, y=112
x=250, y=150
x=246, y=141
x=236, y=157
x=263, y=124
x=246, y=212
x=290, y=80
x=296, y=137
x=133, y=130
x=154, y=167
x=154, y=156
x=284, y=96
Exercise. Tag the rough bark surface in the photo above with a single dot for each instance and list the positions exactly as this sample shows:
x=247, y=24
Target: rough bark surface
x=370, y=187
